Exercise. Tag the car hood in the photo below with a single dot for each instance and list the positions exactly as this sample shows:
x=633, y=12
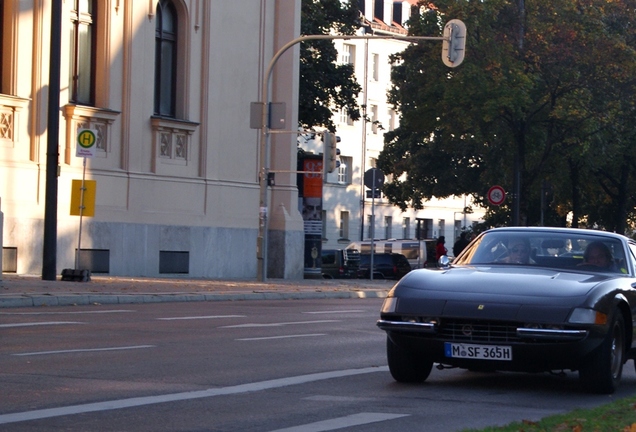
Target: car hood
x=495, y=292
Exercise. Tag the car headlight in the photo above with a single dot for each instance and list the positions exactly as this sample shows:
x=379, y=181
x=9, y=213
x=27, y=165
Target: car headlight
x=587, y=316
x=389, y=305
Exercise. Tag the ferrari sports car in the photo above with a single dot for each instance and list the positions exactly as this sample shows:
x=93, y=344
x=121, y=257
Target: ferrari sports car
x=519, y=299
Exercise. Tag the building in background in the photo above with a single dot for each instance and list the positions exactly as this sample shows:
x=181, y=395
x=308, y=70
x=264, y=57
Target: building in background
x=350, y=212
x=166, y=85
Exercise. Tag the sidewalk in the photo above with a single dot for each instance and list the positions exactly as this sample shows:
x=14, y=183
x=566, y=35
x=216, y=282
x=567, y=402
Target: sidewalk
x=30, y=291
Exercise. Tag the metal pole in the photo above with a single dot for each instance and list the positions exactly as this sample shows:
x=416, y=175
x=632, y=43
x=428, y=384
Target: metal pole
x=81, y=213
x=49, y=250
x=372, y=226
x=261, y=253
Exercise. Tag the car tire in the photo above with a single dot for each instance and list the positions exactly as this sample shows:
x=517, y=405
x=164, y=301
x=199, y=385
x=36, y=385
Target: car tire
x=405, y=366
x=601, y=371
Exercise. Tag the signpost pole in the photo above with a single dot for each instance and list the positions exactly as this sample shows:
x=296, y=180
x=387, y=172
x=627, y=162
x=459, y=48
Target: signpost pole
x=81, y=213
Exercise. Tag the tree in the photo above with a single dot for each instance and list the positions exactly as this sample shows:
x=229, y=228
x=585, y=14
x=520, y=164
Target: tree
x=538, y=86
x=324, y=84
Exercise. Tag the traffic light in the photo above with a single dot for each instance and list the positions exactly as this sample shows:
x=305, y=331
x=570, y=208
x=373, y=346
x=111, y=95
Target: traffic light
x=454, y=44
x=330, y=151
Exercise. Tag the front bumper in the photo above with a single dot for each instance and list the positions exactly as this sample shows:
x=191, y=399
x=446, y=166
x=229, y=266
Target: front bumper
x=533, y=349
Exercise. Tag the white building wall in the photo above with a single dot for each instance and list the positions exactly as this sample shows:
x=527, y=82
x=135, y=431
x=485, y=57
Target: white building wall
x=205, y=203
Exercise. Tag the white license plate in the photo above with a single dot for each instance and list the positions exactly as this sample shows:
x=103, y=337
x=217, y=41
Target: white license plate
x=480, y=352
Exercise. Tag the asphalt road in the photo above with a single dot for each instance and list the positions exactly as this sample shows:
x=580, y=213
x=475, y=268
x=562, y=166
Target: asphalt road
x=262, y=366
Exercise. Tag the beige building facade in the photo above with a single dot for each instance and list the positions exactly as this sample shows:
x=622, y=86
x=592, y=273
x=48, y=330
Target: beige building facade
x=166, y=85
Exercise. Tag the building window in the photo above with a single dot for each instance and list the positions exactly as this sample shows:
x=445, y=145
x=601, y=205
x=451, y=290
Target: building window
x=82, y=52
x=348, y=54
x=374, y=119
x=388, y=232
x=344, y=117
x=166, y=33
x=2, y=49
x=371, y=228
x=344, y=224
x=406, y=228
x=344, y=170
x=392, y=117
x=375, y=67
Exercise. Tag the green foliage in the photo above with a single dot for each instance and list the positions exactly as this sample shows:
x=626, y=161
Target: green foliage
x=552, y=84
x=616, y=416
x=324, y=84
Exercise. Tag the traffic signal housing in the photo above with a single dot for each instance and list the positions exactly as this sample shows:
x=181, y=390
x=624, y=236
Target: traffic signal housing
x=454, y=43
x=330, y=151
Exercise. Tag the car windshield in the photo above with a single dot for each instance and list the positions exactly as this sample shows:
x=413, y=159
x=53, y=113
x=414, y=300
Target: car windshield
x=564, y=250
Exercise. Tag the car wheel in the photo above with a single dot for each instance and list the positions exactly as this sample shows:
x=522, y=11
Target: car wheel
x=405, y=366
x=601, y=371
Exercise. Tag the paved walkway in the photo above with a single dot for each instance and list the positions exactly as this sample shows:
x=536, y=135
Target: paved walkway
x=30, y=291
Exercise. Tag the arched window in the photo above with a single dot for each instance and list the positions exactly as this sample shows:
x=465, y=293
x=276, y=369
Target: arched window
x=165, y=59
x=82, y=52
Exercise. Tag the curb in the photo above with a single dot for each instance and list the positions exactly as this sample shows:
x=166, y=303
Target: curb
x=40, y=300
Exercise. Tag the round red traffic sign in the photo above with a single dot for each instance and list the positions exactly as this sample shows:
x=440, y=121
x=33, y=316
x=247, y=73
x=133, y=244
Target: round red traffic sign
x=496, y=195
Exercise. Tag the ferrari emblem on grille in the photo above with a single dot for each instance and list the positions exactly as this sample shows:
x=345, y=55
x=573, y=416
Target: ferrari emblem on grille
x=467, y=330
x=480, y=307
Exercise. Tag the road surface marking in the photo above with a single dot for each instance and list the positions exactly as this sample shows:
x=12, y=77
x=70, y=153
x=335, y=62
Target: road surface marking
x=249, y=325
x=281, y=337
x=334, y=312
x=343, y=422
x=84, y=350
x=201, y=317
x=174, y=397
x=39, y=324
x=68, y=313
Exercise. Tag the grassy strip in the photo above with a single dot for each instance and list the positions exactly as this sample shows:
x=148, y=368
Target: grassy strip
x=618, y=416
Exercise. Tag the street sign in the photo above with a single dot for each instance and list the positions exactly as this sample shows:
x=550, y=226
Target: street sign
x=496, y=195
x=83, y=197
x=86, y=143
x=373, y=178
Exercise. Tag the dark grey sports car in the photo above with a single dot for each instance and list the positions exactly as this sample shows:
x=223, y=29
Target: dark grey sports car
x=519, y=299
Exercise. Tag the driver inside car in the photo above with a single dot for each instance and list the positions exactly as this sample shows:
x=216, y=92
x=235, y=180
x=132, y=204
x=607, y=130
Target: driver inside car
x=597, y=254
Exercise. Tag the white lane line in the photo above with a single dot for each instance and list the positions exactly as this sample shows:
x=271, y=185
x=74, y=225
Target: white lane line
x=68, y=313
x=334, y=312
x=249, y=325
x=343, y=422
x=201, y=317
x=282, y=337
x=84, y=350
x=39, y=324
x=174, y=397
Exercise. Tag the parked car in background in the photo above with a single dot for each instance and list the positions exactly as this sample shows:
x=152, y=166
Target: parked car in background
x=519, y=299
x=385, y=266
x=340, y=263
x=415, y=251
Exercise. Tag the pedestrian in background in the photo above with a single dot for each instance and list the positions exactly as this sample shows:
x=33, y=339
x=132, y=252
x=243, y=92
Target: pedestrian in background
x=440, y=249
x=460, y=244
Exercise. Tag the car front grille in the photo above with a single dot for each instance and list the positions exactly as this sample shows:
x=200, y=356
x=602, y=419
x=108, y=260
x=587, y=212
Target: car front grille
x=478, y=331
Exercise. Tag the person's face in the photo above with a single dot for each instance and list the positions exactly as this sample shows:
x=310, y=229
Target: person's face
x=597, y=258
x=519, y=252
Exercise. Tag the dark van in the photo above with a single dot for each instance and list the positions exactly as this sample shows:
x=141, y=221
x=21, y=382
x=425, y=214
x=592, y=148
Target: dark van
x=340, y=263
x=385, y=266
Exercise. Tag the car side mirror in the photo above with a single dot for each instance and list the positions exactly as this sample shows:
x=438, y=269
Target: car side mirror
x=443, y=262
